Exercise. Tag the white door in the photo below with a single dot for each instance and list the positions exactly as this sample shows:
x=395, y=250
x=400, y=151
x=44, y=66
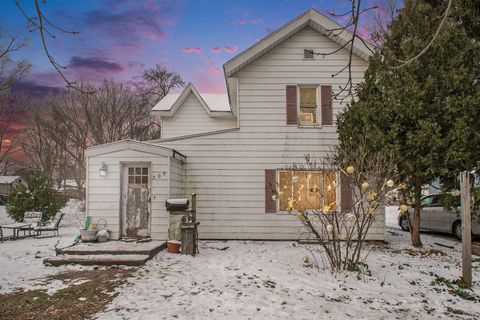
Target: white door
x=136, y=215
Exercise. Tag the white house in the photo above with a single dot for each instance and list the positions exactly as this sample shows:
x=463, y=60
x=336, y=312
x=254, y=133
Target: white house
x=231, y=149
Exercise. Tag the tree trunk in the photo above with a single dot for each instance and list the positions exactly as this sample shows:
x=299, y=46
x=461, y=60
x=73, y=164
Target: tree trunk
x=415, y=229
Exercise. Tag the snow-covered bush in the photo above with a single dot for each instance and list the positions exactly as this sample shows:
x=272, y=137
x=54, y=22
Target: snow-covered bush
x=35, y=195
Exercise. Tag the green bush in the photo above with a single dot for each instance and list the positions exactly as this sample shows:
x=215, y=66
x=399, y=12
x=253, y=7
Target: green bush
x=35, y=195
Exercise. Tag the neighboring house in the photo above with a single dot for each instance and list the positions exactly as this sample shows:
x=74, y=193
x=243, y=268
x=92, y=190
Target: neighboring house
x=233, y=149
x=8, y=182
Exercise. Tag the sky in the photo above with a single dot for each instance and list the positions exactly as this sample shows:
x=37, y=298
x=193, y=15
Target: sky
x=118, y=39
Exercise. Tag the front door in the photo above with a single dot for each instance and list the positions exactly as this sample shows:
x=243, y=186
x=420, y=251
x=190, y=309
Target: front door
x=136, y=201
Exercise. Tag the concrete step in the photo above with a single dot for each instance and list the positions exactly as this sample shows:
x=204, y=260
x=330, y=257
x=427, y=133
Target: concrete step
x=114, y=248
x=99, y=259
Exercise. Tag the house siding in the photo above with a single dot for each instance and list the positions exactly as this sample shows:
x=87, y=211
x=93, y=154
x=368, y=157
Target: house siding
x=192, y=118
x=227, y=170
x=104, y=193
x=177, y=190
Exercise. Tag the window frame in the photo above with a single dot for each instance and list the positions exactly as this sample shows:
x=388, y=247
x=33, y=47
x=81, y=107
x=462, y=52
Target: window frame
x=318, y=110
x=337, y=189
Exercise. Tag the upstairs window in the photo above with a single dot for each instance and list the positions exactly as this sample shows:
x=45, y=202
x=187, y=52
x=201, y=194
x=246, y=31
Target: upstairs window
x=308, y=106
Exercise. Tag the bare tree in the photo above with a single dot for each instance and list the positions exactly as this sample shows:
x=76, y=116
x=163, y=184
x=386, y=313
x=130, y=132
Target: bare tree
x=67, y=127
x=41, y=150
x=8, y=134
x=114, y=112
x=46, y=28
x=11, y=71
x=160, y=82
x=56, y=141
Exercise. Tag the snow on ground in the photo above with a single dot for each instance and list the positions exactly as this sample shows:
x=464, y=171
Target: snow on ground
x=21, y=262
x=261, y=280
x=270, y=280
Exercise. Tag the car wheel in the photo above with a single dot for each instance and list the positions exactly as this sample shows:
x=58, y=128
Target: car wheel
x=404, y=224
x=457, y=230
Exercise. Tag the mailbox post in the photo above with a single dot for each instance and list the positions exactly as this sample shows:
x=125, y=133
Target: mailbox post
x=189, y=223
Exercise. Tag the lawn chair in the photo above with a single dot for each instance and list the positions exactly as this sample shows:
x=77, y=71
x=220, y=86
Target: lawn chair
x=34, y=219
x=51, y=226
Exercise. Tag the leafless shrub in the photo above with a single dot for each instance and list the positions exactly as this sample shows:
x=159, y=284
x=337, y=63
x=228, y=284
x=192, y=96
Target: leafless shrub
x=364, y=178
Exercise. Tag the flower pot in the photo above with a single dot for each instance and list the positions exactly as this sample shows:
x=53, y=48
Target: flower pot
x=88, y=235
x=173, y=246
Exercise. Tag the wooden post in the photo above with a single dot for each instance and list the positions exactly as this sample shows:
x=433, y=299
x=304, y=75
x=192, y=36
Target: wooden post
x=194, y=207
x=466, y=229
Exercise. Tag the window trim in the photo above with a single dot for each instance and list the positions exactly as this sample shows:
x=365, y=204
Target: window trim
x=318, y=123
x=337, y=189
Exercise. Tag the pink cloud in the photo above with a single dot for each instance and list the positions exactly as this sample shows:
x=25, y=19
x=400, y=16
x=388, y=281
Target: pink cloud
x=240, y=22
x=216, y=49
x=192, y=50
x=213, y=71
x=231, y=49
x=268, y=30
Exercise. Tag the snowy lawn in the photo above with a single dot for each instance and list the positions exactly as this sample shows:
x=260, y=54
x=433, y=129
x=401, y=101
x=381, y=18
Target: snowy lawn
x=241, y=280
x=21, y=262
x=271, y=280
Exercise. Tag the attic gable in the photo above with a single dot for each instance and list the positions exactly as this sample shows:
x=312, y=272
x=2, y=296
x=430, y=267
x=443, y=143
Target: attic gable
x=311, y=18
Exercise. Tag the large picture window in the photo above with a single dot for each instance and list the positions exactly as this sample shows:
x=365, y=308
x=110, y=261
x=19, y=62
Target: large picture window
x=312, y=190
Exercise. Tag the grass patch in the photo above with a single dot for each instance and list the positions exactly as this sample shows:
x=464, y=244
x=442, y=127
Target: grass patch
x=455, y=287
x=89, y=292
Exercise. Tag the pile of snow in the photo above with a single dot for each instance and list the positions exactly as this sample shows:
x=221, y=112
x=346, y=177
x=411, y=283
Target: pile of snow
x=4, y=218
x=270, y=280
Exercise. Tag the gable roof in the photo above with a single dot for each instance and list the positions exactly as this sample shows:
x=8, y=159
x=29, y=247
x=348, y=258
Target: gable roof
x=311, y=18
x=215, y=105
x=8, y=179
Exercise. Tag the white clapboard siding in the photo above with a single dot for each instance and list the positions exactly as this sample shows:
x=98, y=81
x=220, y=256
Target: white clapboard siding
x=227, y=170
x=104, y=193
x=192, y=118
x=177, y=190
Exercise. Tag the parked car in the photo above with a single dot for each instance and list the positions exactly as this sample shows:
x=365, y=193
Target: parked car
x=434, y=217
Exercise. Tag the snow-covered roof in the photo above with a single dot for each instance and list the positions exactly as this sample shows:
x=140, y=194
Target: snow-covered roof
x=8, y=179
x=215, y=104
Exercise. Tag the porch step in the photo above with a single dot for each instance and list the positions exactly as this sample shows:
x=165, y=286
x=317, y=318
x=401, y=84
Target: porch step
x=111, y=253
x=99, y=259
x=115, y=248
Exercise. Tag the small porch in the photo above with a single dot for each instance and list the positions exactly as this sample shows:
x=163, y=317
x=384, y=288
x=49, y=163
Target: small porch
x=127, y=185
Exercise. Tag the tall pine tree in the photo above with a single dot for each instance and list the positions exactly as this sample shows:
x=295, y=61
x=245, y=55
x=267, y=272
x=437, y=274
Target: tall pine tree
x=426, y=113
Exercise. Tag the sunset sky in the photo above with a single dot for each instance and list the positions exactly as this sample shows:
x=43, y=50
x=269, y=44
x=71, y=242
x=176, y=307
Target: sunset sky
x=119, y=38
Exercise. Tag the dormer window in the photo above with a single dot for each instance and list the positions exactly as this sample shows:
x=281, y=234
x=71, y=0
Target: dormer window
x=308, y=54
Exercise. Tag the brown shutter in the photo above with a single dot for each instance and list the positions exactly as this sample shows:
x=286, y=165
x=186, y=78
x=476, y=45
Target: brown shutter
x=327, y=109
x=291, y=93
x=345, y=193
x=270, y=186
